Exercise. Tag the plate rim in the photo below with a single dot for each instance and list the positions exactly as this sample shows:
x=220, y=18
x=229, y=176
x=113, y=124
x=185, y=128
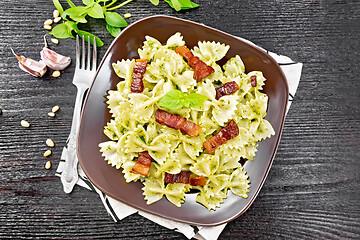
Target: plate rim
x=286, y=89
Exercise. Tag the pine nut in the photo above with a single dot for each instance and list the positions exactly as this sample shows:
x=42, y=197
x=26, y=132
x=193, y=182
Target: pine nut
x=47, y=27
x=51, y=114
x=25, y=123
x=48, y=22
x=57, y=19
x=55, y=41
x=56, y=73
x=56, y=13
x=127, y=15
x=55, y=109
x=47, y=153
x=48, y=165
x=50, y=142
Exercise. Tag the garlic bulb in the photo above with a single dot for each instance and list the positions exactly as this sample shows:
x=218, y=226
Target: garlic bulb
x=35, y=68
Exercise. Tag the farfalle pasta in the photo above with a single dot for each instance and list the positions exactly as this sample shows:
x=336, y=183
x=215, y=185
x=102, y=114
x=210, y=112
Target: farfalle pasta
x=133, y=128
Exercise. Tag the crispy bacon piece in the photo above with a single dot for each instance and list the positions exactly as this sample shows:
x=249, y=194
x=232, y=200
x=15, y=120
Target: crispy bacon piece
x=198, y=181
x=137, y=85
x=182, y=177
x=253, y=81
x=177, y=122
x=224, y=135
x=226, y=89
x=201, y=70
x=142, y=165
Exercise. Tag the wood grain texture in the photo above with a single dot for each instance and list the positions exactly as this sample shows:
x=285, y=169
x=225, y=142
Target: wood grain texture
x=313, y=188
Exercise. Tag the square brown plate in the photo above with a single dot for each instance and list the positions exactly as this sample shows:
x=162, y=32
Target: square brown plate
x=95, y=116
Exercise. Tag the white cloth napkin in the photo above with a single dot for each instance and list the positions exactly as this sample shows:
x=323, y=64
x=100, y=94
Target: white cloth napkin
x=119, y=211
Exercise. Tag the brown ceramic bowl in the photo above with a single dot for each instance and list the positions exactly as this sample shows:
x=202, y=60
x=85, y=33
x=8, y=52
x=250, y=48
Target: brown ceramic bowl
x=95, y=116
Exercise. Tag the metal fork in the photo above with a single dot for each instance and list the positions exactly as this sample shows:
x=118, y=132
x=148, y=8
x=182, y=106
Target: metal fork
x=82, y=80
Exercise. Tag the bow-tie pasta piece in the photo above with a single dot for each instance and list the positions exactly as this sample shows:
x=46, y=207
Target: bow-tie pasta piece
x=239, y=183
x=192, y=145
x=211, y=203
x=206, y=165
x=175, y=41
x=151, y=45
x=154, y=189
x=234, y=67
x=210, y=52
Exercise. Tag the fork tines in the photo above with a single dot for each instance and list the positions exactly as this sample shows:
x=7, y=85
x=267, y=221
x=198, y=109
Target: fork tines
x=83, y=54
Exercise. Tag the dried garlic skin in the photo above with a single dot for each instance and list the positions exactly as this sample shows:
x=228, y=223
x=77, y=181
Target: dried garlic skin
x=54, y=60
x=35, y=68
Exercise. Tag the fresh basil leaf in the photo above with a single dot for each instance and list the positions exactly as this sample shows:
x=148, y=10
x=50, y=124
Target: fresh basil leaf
x=95, y=11
x=115, y=20
x=81, y=33
x=77, y=14
x=72, y=25
x=88, y=2
x=195, y=99
x=185, y=102
x=61, y=31
x=172, y=100
x=176, y=5
x=76, y=11
x=71, y=4
x=58, y=6
x=155, y=2
x=185, y=4
x=114, y=31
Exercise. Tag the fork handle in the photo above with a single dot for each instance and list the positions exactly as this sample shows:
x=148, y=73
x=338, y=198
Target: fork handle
x=70, y=175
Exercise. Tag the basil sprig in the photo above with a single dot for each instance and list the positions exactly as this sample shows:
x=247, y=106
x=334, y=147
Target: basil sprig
x=100, y=9
x=176, y=99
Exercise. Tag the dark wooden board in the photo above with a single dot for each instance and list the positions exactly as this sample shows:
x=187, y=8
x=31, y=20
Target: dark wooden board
x=312, y=190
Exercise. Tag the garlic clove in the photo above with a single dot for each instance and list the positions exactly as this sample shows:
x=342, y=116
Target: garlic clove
x=35, y=68
x=54, y=60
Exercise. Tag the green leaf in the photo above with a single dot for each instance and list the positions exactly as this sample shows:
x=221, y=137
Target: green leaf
x=185, y=4
x=172, y=100
x=195, y=99
x=176, y=5
x=81, y=33
x=71, y=4
x=114, y=31
x=61, y=31
x=155, y=2
x=77, y=14
x=88, y=2
x=72, y=25
x=95, y=11
x=58, y=6
x=115, y=20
